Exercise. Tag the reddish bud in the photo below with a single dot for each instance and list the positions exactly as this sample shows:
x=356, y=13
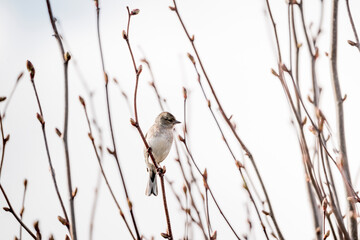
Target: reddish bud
x=121, y=213
x=40, y=118
x=326, y=235
x=30, y=68
x=213, y=236
x=139, y=70
x=165, y=235
x=184, y=93
x=284, y=68
x=265, y=212
x=36, y=226
x=238, y=164
x=63, y=221
x=135, y=12
x=205, y=174
x=132, y=121
x=184, y=188
x=312, y=129
x=106, y=78
x=172, y=8
x=354, y=44
x=274, y=73
x=6, y=209
x=91, y=136
x=22, y=211
x=67, y=56
x=74, y=193
x=191, y=58
x=129, y=204
x=124, y=35
x=304, y=121
x=58, y=132
x=82, y=101
x=324, y=204
x=344, y=98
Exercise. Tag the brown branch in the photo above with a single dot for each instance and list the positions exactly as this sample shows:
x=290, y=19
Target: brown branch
x=66, y=57
x=316, y=93
x=11, y=210
x=203, y=175
x=41, y=119
x=190, y=192
x=227, y=120
x=212, y=195
x=237, y=163
x=340, y=117
x=314, y=208
x=310, y=168
x=90, y=95
x=136, y=124
x=114, y=151
x=91, y=137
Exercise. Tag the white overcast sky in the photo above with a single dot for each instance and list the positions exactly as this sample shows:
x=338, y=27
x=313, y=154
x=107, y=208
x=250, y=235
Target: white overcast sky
x=235, y=41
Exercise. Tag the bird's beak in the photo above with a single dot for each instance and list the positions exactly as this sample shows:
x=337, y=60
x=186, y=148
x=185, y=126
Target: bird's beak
x=176, y=122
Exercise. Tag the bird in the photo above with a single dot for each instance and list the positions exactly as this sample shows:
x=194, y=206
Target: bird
x=159, y=138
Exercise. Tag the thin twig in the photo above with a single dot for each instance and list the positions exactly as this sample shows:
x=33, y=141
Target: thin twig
x=136, y=124
x=211, y=193
x=41, y=119
x=91, y=137
x=114, y=151
x=11, y=210
x=65, y=57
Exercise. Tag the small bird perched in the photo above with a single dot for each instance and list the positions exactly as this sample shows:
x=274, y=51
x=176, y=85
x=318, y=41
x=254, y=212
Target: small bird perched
x=160, y=138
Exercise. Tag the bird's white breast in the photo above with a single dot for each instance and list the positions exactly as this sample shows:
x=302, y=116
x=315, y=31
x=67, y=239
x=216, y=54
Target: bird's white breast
x=160, y=143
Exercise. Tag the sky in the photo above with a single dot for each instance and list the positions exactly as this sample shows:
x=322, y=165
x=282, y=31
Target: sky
x=236, y=44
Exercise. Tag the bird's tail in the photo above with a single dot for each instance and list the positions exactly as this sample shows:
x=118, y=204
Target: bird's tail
x=152, y=183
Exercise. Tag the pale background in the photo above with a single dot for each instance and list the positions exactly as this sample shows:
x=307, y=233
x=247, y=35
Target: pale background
x=235, y=41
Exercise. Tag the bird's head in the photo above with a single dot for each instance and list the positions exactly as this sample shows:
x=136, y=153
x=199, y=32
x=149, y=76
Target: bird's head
x=166, y=119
